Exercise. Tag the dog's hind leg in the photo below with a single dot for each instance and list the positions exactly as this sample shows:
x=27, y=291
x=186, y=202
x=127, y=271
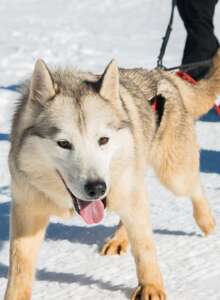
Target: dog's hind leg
x=27, y=232
x=191, y=187
x=118, y=244
x=201, y=210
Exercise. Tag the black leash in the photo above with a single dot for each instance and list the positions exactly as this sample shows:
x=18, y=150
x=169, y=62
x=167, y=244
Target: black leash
x=166, y=38
x=191, y=66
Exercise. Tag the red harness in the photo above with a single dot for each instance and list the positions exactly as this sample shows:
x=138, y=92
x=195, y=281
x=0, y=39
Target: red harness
x=186, y=77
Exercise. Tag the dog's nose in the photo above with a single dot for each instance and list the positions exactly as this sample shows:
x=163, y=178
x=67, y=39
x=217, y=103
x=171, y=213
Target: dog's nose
x=95, y=189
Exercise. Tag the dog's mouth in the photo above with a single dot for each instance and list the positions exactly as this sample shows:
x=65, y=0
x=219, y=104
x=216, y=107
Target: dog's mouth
x=92, y=212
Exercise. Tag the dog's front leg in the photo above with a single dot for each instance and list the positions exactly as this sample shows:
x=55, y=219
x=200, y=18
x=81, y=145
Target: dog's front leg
x=134, y=214
x=27, y=232
x=118, y=244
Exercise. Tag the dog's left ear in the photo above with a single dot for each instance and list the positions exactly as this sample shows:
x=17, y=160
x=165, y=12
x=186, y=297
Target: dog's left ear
x=110, y=82
x=42, y=86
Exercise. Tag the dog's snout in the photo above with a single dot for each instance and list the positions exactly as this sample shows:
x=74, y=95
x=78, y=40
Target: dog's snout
x=95, y=189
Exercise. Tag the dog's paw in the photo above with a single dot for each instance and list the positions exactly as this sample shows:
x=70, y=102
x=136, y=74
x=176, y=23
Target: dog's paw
x=115, y=247
x=148, y=292
x=207, y=224
x=205, y=220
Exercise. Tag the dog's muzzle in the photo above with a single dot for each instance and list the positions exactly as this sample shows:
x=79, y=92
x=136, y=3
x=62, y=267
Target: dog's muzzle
x=92, y=211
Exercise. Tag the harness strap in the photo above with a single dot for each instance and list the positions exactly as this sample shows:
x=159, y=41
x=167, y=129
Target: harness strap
x=185, y=76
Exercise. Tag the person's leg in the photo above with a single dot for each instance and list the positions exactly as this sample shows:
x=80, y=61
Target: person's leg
x=201, y=43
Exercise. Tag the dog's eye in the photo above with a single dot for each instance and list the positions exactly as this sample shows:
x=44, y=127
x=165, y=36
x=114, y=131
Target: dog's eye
x=65, y=144
x=103, y=140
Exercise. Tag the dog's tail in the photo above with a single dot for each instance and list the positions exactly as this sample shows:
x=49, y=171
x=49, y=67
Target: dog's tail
x=198, y=99
x=214, y=74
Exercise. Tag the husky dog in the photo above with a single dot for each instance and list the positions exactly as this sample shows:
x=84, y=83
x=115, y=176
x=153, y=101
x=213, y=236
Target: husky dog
x=81, y=142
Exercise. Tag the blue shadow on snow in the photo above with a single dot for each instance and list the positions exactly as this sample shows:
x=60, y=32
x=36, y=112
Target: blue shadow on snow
x=211, y=116
x=4, y=221
x=210, y=161
x=12, y=87
x=68, y=278
x=4, y=137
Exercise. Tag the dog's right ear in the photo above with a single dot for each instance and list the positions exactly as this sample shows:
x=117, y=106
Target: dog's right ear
x=42, y=86
x=110, y=82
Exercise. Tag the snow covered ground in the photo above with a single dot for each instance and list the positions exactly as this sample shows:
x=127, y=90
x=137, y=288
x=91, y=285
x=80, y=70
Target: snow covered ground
x=88, y=34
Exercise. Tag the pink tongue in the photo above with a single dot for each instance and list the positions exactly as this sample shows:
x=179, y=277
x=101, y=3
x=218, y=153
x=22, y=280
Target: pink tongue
x=92, y=212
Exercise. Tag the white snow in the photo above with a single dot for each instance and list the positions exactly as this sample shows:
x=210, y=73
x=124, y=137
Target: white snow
x=88, y=34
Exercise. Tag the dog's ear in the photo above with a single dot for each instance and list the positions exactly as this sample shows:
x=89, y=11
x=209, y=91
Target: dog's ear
x=42, y=86
x=110, y=82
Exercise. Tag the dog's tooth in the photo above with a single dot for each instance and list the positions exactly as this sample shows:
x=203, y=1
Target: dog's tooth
x=78, y=202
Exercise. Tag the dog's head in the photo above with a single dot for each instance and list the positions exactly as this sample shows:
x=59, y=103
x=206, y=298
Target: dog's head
x=78, y=131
